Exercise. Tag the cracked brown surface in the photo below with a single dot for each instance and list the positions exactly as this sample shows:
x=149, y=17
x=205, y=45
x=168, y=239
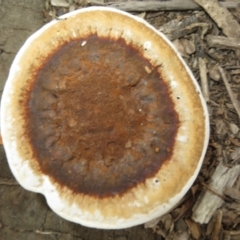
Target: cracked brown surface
x=91, y=113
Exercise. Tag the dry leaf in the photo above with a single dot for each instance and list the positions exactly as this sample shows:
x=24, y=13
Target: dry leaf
x=217, y=226
x=194, y=228
x=185, y=207
x=152, y=223
x=234, y=128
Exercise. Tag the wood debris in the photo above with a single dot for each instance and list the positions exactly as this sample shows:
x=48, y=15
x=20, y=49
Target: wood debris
x=230, y=92
x=221, y=16
x=177, y=28
x=214, y=73
x=208, y=202
x=204, y=79
x=60, y=3
x=223, y=42
x=207, y=35
x=233, y=193
x=194, y=228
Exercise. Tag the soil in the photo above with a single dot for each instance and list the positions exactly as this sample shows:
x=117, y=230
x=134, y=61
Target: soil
x=26, y=216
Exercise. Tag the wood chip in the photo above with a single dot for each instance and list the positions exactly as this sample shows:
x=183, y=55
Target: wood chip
x=223, y=42
x=234, y=141
x=180, y=47
x=72, y=8
x=176, y=28
x=230, y=92
x=234, y=128
x=60, y=3
x=194, y=228
x=189, y=46
x=214, y=73
x=232, y=193
x=153, y=223
x=208, y=202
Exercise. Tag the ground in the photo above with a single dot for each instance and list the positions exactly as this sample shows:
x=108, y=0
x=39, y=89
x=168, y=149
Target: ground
x=26, y=216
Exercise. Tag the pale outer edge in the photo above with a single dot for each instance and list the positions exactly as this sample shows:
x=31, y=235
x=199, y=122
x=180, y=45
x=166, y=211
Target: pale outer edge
x=30, y=182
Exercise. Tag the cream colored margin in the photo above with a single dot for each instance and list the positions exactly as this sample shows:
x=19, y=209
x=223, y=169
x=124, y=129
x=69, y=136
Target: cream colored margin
x=148, y=200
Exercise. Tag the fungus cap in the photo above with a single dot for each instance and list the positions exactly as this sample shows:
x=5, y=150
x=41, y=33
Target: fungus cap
x=102, y=116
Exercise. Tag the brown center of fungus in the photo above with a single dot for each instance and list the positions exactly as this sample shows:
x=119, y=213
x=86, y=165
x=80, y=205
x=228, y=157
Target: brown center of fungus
x=100, y=117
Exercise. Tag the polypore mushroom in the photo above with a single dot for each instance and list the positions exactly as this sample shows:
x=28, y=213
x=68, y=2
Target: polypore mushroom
x=102, y=116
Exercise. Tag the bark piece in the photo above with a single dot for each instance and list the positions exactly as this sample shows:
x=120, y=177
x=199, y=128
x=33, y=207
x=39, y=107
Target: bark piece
x=223, y=42
x=208, y=202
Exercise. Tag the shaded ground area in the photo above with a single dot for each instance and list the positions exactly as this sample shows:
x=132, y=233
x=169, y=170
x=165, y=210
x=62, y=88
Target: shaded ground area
x=204, y=46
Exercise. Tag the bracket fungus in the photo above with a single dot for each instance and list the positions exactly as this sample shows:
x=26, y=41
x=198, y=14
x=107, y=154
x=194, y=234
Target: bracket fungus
x=102, y=116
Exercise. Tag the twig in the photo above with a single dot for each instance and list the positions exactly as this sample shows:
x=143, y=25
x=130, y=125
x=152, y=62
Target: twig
x=223, y=42
x=204, y=79
x=233, y=233
x=47, y=232
x=214, y=103
x=229, y=90
x=9, y=183
x=234, y=141
x=153, y=6
x=214, y=192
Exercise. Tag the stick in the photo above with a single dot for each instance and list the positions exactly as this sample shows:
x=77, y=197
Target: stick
x=204, y=79
x=155, y=6
x=222, y=17
x=8, y=183
x=230, y=92
x=208, y=202
x=223, y=42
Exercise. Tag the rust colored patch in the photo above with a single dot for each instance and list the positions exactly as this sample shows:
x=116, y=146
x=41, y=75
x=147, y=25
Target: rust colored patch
x=98, y=122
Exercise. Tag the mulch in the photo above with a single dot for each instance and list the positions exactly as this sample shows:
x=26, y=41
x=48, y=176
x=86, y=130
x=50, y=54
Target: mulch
x=207, y=34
